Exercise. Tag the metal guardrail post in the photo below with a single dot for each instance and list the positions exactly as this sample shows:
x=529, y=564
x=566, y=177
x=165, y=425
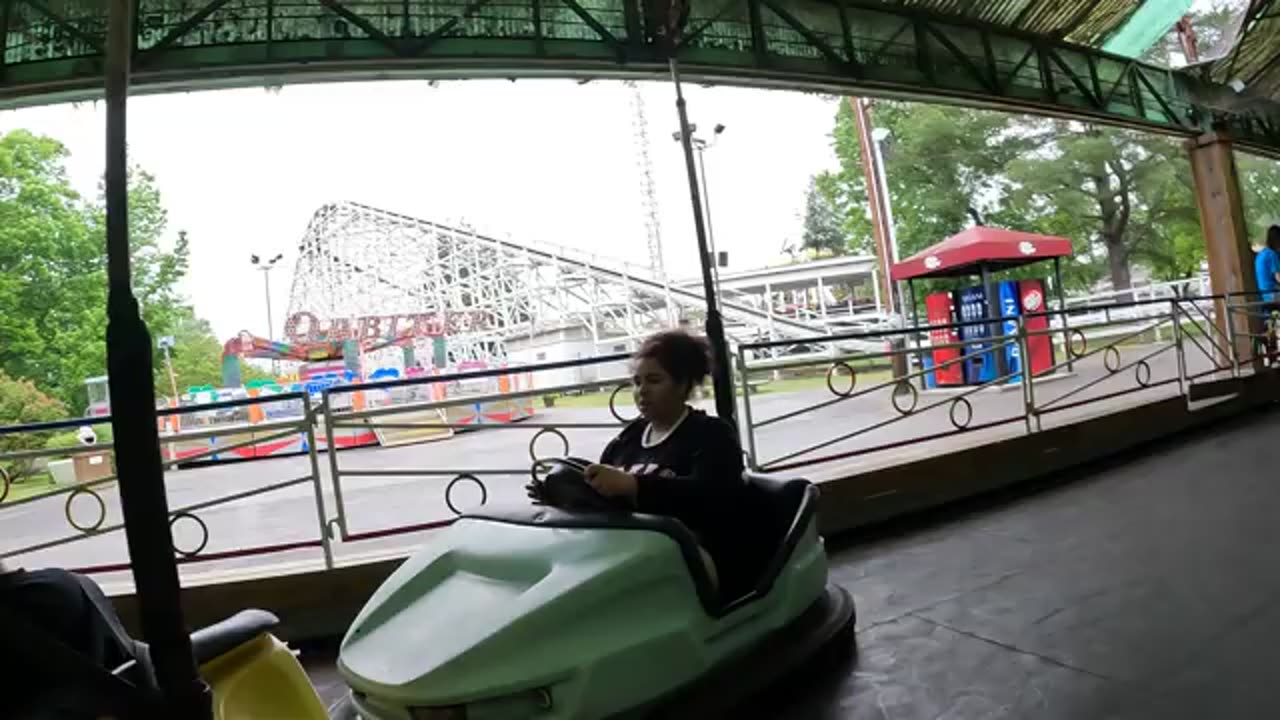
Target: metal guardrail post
x=746, y=408
x=1028, y=392
x=309, y=417
x=331, y=448
x=1233, y=354
x=1179, y=351
x=1066, y=341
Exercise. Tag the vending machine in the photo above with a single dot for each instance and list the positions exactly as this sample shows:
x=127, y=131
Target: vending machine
x=939, y=308
x=1039, y=347
x=1010, y=309
x=979, y=361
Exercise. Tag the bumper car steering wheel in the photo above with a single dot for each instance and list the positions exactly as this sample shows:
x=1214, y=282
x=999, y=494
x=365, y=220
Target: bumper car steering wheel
x=565, y=486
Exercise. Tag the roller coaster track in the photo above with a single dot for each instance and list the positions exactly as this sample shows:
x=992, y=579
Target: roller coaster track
x=351, y=247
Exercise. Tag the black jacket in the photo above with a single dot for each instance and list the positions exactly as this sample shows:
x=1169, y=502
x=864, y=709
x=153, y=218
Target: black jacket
x=694, y=475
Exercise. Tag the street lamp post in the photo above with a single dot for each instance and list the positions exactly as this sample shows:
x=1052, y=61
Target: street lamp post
x=879, y=136
x=265, y=266
x=701, y=146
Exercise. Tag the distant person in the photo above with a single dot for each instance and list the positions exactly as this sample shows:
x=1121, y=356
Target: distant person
x=1266, y=270
x=1266, y=265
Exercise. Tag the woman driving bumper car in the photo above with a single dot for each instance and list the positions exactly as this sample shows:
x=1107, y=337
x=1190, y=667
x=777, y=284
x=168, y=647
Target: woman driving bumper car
x=676, y=460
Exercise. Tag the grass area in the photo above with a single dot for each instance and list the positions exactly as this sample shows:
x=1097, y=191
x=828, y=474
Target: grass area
x=38, y=484
x=766, y=386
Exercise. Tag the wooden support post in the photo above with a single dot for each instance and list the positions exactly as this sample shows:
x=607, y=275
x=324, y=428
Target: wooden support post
x=1226, y=238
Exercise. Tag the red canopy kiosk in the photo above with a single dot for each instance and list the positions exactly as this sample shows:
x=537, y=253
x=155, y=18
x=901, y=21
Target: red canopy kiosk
x=981, y=251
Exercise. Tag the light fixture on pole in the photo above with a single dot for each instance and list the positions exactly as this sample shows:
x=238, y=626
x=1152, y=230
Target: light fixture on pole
x=166, y=343
x=701, y=146
x=265, y=266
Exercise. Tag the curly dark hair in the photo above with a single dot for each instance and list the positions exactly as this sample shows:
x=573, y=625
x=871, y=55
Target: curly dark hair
x=686, y=358
x=1273, y=237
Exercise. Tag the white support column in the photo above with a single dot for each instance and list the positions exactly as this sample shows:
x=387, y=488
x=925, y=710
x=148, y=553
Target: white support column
x=822, y=300
x=875, y=286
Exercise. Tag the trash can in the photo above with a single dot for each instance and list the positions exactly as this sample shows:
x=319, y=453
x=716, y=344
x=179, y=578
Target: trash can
x=93, y=466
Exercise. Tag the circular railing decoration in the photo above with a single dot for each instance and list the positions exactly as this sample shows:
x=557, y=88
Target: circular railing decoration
x=453, y=484
x=1111, y=359
x=961, y=413
x=4, y=484
x=831, y=373
x=204, y=533
x=911, y=390
x=613, y=404
x=533, y=443
x=1071, y=344
x=102, y=510
x=1142, y=373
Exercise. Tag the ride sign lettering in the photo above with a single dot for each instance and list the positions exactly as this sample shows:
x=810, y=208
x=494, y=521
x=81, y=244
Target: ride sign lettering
x=303, y=327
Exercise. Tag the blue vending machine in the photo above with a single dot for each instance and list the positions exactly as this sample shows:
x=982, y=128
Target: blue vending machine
x=979, y=362
x=1010, y=309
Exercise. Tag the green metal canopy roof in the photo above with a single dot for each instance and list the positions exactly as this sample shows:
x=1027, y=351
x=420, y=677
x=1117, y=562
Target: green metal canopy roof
x=1072, y=58
x=1081, y=22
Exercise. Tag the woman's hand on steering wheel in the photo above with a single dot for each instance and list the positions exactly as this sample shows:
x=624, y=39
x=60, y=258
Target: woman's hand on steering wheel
x=611, y=482
x=536, y=491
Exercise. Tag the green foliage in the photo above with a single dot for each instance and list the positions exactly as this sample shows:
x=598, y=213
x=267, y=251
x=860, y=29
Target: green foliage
x=823, y=233
x=1260, y=187
x=53, y=275
x=196, y=355
x=50, y=266
x=1125, y=198
x=21, y=403
x=943, y=166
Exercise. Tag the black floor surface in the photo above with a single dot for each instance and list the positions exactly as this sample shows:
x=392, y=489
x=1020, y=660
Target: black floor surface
x=1146, y=588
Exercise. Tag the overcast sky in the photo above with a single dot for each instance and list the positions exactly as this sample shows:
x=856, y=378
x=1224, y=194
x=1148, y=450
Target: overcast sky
x=242, y=171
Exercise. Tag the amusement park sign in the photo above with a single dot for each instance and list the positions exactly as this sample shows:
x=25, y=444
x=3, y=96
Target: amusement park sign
x=303, y=327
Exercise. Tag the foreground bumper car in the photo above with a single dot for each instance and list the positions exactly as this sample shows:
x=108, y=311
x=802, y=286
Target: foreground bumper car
x=546, y=613
x=252, y=675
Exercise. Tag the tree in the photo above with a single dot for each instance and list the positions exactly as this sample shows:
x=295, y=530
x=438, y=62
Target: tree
x=196, y=353
x=21, y=404
x=1260, y=188
x=1129, y=191
x=947, y=169
x=944, y=167
x=822, y=231
x=53, y=274
x=1124, y=197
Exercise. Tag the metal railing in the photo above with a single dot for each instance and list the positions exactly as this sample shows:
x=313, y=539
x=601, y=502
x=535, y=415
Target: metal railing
x=1068, y=377
x=434, y=415
x=448, y=442
x=301, y=427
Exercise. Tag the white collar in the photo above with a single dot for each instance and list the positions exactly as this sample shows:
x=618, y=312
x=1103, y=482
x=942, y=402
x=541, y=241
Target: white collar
x=647, y=441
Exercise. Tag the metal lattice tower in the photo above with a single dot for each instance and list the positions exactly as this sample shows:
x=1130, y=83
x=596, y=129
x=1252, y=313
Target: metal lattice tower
x=648, y=192
x=357, y=261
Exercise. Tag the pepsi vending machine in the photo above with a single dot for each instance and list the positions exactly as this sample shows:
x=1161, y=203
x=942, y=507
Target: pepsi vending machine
x=979, y=362
x=1010, y=309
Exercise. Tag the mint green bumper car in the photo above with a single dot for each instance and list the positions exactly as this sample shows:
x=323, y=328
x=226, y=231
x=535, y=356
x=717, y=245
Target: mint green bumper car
x=538, y=612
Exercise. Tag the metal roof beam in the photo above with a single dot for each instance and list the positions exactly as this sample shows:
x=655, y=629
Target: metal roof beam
x=846, y=46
